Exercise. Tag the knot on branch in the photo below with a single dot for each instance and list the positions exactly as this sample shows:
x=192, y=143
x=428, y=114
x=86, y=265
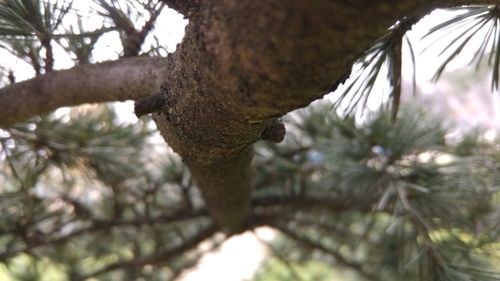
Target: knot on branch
x=149, y=104
x=275, y=132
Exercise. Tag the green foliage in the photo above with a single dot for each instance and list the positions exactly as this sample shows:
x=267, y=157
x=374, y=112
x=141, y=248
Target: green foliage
x=417, y=208
x=28, y=17
x=24, y=23
x=124, y=15
x=29, y=26
x=80, y=42
x=384, y=55
x=470, y=23
x=72, y=181
x=452, y=37
x=276, y=270
x=382, y=200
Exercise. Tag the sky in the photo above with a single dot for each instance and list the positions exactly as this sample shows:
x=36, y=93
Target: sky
x=467, y=104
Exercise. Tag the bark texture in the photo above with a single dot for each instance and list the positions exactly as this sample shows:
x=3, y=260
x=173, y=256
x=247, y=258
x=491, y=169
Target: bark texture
x=241, y=65
x=188, y=8
x=120, y=80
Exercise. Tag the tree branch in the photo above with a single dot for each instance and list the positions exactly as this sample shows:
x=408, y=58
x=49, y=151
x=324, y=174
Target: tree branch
x=244, y=63
x=186, y=7
x=282, y=258
x=135, y=38
x=109, y=81
x=339, y=258
x=49, y=54
x=102, y=225
x=458, y=3
x=160, y=257
x=222, y=186
x=308, y=202
x=150, y=104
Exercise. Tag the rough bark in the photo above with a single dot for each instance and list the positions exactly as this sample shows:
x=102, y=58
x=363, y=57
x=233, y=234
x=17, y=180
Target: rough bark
x=110, y=81
x=457, y=3
x=188, y=8
x=241, y=65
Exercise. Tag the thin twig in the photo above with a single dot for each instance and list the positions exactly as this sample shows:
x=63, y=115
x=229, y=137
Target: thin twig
x=102, y=225
x=281, y=258
x=318, y=246
x=311, y=202
x=159, y=257
x=188, y=8
x=421, y=227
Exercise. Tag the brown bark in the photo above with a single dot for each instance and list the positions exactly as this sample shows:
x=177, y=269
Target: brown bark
x=188, y=8
x=49, y=54
x=110, y=81
x=241, y=65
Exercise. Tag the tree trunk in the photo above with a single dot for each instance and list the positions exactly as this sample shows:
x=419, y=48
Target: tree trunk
x=241, y=65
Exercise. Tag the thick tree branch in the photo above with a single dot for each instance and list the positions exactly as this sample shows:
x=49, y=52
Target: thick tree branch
x=109, y=81
x=222, y=184
x=149, y=104
x=186, y=7
x=244, y=63
x=241, y=65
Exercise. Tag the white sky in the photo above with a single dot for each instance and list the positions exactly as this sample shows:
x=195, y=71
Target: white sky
x=468, y=112
x=108, y=47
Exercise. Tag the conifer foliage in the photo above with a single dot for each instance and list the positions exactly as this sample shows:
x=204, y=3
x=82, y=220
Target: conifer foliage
x=87, y=196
